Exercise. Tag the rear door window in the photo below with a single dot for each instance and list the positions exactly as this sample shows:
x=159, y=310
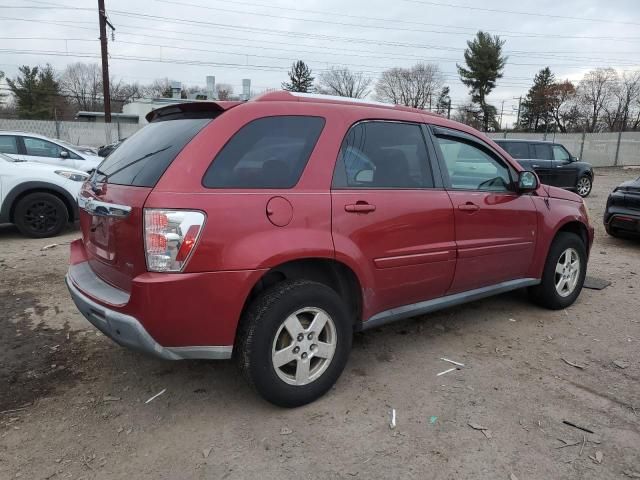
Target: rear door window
x=8, y=144
x=516, y=149
x=542, y=151
x=270, y=152
x=142, y=159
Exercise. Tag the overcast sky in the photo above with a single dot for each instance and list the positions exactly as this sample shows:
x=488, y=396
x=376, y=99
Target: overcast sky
x=186, y=40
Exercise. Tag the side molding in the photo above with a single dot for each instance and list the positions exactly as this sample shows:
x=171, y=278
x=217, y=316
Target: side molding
x=407, y=311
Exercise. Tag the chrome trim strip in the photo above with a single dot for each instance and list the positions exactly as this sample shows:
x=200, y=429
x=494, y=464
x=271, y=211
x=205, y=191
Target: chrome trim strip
x=209, y=353
x=407, y=311
x=103, y=209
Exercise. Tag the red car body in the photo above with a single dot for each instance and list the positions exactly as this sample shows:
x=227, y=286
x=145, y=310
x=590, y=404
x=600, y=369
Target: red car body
x=392, y=248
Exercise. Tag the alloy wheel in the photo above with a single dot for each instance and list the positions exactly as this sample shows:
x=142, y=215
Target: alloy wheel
x=41, y=217
x=584, y=186
x=567, y=272
x=304, y=346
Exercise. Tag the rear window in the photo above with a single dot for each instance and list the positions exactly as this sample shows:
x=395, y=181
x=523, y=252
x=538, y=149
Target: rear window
x=142, y=159
x=269, y=152
x=516, y=149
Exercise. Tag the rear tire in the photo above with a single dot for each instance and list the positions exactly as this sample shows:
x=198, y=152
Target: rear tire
x=584, y=186
x=564, y=273
x=40, y=215
x=294, y=341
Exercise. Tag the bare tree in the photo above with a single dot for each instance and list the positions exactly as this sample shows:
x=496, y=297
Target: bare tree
x=414, y=87
x=595, y=91
x=560, y=100
x=618, y=109
x=224, y=91
x=82, y=84
x=469, y=114
x=160, y=87
x=344, y=83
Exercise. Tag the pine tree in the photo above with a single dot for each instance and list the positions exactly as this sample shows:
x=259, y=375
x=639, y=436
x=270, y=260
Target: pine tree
x=537, y=107
x=484, y=65
x=36, y=90
x=443, y=106
x=300, y=78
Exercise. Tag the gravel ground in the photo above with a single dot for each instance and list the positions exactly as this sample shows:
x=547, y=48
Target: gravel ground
x=77, y=401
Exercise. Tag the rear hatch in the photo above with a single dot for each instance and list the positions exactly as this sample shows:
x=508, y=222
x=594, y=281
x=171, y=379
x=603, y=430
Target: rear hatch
x=112, y=200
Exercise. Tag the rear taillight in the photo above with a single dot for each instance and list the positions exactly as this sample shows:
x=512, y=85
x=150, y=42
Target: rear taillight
x=170, y=237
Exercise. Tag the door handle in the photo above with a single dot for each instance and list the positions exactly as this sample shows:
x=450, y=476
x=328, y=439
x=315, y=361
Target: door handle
x=469, y=207
x=535, y=166
x=359, y=207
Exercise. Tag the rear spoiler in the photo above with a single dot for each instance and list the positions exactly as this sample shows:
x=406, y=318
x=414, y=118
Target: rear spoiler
x=189, y=110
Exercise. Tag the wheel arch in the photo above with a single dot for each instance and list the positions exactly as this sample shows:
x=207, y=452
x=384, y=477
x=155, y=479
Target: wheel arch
x=20, y=191
x=335, y=274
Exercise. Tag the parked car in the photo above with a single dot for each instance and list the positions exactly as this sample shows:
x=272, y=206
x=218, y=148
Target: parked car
x=622, y=215
x=202, y=239
x=39, y=199
x=38, y=148
x=105, y=150
x=553, y=163
x=80, y=148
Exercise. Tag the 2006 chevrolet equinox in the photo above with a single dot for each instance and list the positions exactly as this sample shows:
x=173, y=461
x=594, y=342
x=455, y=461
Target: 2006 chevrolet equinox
x=270, y=230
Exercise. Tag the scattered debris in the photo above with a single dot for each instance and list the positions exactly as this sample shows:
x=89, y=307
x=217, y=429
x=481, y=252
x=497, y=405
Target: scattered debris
x=286, y=431
x=206, y=452
x=48, y=247
x=13, y=410
x=512, y=477
x=571, y=424
x=567, y=444
x=109, y=398
x=631, y=474
x=621, y=363
x=581, y=367
x=392, y=424
x=584, y=440
x=156, y=396
x=451, y=361
x=596, y=283
x=447, y=371
x=120, y=430
x=512, y=319
x=598, y=457
x=433, y=419
x=485, y=431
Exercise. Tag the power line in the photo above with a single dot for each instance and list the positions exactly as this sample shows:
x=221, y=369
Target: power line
x=515, y=12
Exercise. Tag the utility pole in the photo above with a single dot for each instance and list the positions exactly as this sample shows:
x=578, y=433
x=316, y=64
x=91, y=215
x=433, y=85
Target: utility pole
x=449, y=109
x=501, y=112
x=102, y=17
x=518, y=117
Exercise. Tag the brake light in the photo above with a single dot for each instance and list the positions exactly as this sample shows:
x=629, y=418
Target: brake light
x=170, y=237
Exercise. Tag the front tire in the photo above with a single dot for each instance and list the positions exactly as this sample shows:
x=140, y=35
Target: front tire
x=584, y=186
x=564, y=273
x=40, y=215
x=294, y=342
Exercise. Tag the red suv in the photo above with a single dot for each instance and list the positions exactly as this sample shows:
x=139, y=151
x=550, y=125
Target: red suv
x=271, y=230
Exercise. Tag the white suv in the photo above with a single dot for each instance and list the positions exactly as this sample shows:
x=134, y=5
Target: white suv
x=38, y=148
x=39, y=199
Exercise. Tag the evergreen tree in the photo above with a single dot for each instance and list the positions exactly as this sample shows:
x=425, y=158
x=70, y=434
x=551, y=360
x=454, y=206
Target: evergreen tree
x=443, y=106
x=484, y=65
x=300, y=78
x=36, y=91
x=537, y=107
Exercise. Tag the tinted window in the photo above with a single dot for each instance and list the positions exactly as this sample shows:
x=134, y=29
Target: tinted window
x=542, y=151
x=470, y=167
x=143, y=158
x=383, y=155
x=8, y=144
x=516, y=149
x=270, y=152
x=559, y=153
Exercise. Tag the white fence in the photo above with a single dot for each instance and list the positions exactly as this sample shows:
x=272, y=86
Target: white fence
x=599, y=149
x=78, y=133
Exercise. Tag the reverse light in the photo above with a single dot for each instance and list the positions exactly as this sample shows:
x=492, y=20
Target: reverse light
x=170, y=237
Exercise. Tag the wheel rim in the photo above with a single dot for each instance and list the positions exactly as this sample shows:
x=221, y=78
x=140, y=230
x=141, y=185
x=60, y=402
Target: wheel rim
x=304, y=346
x=567, y=272
x=584, y=186
x=41, y=216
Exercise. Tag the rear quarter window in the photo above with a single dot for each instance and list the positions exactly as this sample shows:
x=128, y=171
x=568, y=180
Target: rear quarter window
x=142, y=159
x=516, y=149
x=270, y=152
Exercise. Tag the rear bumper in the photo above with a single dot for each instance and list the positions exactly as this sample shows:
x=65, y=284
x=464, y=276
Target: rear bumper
x=128, y=332
x=621, y=218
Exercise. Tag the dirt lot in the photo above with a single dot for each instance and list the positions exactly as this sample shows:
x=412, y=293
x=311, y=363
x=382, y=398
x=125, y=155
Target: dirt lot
x=80, y=412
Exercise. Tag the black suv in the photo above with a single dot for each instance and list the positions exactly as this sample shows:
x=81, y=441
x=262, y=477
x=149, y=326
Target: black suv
x=552, y=162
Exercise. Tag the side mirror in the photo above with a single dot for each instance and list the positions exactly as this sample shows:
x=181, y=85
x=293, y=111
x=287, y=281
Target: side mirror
x=527, y=181
x=64, y=154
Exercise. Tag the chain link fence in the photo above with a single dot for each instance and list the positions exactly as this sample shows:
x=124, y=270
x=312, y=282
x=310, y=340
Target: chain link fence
x=77, y=133
x=599, y=149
